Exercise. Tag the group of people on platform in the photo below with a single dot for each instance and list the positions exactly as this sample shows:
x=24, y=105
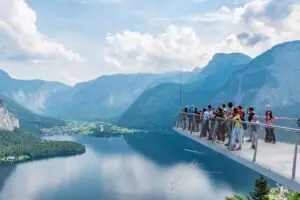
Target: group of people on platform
x=227, y=121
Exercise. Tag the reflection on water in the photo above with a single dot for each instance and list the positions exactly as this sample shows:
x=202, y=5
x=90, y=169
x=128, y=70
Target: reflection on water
x=112, y=169
x=133, y=175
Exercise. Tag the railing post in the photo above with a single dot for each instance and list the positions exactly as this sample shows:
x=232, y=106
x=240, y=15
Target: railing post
x=258, y=132
x=180, y=121
x=177, y=121
x=192, y=125
x=214, y=133
x=295, y=158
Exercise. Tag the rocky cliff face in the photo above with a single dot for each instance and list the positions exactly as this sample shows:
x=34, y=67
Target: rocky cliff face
x=7, y=120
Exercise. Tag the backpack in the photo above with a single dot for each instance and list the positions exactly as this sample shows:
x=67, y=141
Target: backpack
x=250, y=117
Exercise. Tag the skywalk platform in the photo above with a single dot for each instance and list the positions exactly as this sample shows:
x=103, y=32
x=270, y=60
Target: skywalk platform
x=276, y=161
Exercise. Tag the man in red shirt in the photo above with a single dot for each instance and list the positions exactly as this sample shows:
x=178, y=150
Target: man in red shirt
x=241, y=112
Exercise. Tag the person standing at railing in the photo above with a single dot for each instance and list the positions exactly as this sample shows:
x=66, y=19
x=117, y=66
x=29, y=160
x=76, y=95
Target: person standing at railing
x=197, y=120
x=184, y=118
x=251, y=114
x=205, y=125
x=270, y=135
x=221, y=125
x=236, y=136
x=190, y=116
x=254, y=130
x=211, y=122
x=229, y=115
x=224, y=108
x=242, y=115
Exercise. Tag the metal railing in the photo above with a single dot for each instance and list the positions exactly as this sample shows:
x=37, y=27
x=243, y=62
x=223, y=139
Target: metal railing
x=194, y=123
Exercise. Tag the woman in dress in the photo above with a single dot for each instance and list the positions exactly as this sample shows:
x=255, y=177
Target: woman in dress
x=270, y=135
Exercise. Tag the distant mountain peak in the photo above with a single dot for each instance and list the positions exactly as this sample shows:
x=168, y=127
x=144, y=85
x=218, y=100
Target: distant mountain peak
x=222, y=59
x=224, y=55
x=235, y=58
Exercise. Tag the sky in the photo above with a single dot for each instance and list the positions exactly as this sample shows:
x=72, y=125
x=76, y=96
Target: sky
x=78, y=40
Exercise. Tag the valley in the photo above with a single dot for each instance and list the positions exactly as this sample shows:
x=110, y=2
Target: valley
x=96, y=129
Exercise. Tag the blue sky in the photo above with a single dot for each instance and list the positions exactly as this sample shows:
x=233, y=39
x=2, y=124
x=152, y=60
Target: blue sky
x=78, y=40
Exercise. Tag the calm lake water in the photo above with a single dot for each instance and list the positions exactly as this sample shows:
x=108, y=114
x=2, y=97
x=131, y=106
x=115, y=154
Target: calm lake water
x=135, y=167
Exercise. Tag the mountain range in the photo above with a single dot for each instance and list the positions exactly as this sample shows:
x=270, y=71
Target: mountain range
x=105, y=97
x=32, y=94
x=102, y=98
x=270, y=79
x=152, y=101
x=165, y=98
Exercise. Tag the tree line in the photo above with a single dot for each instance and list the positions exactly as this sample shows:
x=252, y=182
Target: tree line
x=19, y=143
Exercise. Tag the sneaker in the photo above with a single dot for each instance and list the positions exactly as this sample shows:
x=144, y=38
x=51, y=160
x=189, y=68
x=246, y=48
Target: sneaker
x=253, y=146
x=273, y=142
x=238, y=147
x=227, y=144
x=232, y=148
x=249, y=140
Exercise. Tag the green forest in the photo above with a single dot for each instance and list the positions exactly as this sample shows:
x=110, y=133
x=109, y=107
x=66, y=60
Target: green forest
x=20, y=146
x=263, y=191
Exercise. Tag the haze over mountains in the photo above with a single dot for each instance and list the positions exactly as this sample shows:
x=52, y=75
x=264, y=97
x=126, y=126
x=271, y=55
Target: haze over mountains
x=31, y=94
x=152, y=100
x=102, y=98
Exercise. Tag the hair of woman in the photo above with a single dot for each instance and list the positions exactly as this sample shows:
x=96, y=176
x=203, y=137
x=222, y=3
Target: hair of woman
x=269, y=112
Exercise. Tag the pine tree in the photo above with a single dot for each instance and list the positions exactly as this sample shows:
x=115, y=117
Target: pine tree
x=261, y=190
x=294, y=196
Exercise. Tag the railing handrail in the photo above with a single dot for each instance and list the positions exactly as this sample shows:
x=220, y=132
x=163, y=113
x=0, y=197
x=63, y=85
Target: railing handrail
x=283, y=128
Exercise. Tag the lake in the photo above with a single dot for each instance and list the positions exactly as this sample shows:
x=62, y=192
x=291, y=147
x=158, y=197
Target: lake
x=133, y=167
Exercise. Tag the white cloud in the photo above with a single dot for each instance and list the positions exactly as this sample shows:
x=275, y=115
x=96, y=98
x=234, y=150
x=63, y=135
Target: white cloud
x=134, y=51
x=262, y=23
x=20, y=36
x=253, y=28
